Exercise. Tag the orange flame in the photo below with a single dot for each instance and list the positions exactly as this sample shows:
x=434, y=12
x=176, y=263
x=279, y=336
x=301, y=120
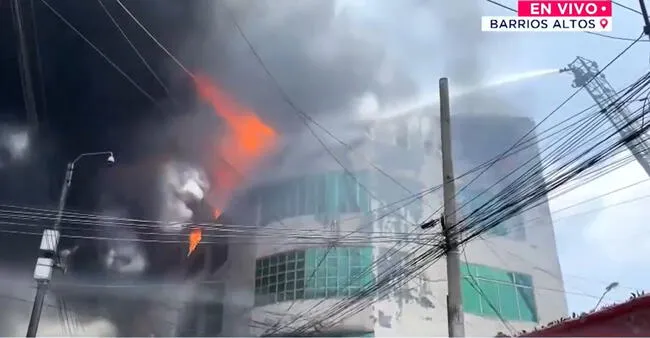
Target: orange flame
x=216, y=213
x=195, y=239
x=245, y=141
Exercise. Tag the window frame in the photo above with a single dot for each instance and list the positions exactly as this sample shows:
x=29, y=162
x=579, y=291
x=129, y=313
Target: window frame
x=327, y=194
x=471, y=273
x=306, y=282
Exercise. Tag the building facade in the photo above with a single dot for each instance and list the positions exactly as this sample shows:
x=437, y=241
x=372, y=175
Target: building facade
x=330, y=230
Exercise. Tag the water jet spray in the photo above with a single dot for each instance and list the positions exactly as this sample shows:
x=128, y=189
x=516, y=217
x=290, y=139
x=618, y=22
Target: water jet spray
x=404, y=108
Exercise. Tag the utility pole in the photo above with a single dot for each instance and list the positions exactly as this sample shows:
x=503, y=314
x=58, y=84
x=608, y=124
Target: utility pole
x=646, y=21
x=46, y=261
x=455, y=316
x=25, y=69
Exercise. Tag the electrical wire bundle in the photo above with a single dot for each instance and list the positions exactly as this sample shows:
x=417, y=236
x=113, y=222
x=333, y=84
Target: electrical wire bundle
x=578, y=129
x=75, y=221
x=528, y=187
x=239, y=231
x=525, y=143
x=523, y=192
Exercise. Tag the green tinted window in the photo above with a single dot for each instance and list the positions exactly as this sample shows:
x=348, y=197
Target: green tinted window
x=313, y=273
x=491, y=292
x=279, y=277
x=471, y=297
x=342, y=271
x=323, y=195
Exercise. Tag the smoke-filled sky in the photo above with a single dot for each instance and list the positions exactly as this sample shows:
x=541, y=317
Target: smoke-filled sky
x=332, y=58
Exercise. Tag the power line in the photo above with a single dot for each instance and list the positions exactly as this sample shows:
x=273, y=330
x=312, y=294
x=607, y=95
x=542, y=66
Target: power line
x=562, y=104
x=150, y=35
x=474, y=284
x=523, y=179
x=489, y=243
x=178, y=62
x=99, y=51
x=379, y=239
x=626, y=7
x=560, y=180
x=542, y=121
x=357, y=298
x=113, y=219
x=305, y=118
x=592, y=176
x=577, y=169
x=135, y=19
x=134, y=48
x=504, y=205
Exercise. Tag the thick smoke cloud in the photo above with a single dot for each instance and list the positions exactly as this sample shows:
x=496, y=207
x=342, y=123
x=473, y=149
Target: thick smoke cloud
x=319, y=58
x=466, y=53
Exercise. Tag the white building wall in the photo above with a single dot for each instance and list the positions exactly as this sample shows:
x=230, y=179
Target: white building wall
x=419, y=309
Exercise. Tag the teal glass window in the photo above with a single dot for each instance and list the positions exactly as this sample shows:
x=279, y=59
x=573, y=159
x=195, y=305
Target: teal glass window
x=487, y=290
x=344, y=271
x=294, y=275
x=329, y=194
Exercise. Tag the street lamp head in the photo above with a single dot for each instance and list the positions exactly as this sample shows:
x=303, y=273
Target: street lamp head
x=111, y=159
x=611, y=286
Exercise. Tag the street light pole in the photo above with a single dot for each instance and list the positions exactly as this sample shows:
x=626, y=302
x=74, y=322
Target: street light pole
x=609, y=288
x=48, y=254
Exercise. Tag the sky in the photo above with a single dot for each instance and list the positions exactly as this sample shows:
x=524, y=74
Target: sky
x=421, y=45
x=607, y=241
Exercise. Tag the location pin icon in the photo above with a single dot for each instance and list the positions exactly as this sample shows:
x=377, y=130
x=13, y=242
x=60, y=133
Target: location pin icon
x=603, y=23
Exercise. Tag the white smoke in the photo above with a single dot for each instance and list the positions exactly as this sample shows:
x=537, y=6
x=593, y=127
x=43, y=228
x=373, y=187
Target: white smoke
x=50, y=326
x=98, y=327
x=181, y=185
x=14, y=144
x=123, y=257
x=126, y=258
x=16, y=304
